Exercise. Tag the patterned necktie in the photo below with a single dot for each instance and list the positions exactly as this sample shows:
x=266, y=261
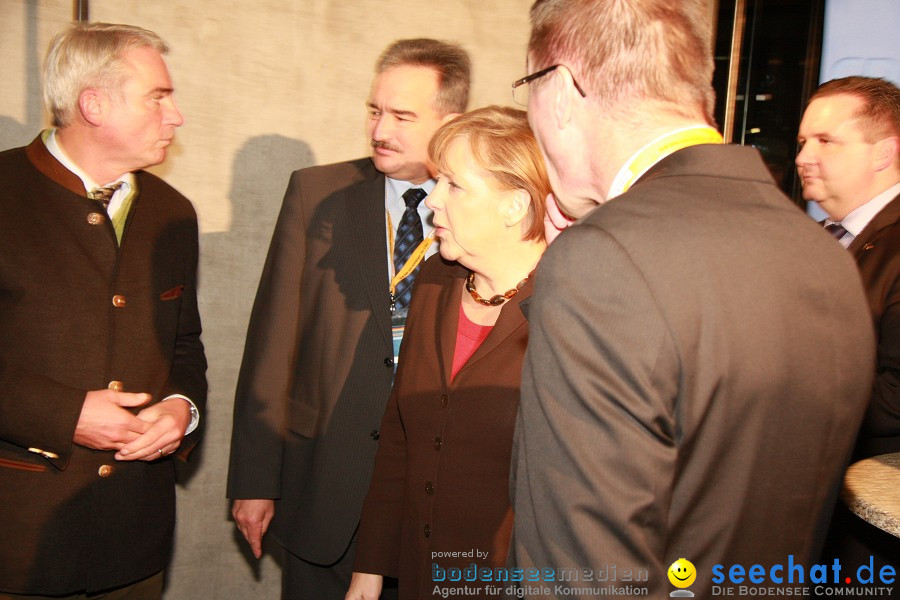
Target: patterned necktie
x=836, y=229
x=104, y=194
x=409, y=236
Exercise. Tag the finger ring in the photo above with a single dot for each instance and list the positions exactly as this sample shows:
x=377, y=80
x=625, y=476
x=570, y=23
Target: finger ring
x=160, y=451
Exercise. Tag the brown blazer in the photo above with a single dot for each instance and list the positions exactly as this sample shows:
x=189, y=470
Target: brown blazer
x=318, y=361
x=441, y=480
x=72, y=518
x=877, y=253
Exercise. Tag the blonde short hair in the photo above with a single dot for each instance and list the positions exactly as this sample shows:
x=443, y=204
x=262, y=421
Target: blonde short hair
x=89, y=55
x=502, y=144
x=622, y=49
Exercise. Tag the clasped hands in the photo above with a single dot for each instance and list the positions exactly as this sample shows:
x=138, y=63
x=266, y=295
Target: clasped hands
x=106, y=423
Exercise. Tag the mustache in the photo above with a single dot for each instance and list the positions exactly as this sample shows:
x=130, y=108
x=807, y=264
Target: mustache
x=385, y=146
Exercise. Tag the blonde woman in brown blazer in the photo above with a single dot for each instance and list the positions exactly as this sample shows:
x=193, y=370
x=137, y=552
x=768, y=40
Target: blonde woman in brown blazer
x=439, y=495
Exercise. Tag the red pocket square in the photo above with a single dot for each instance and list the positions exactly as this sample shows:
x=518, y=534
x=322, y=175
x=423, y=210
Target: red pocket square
x=172, y=294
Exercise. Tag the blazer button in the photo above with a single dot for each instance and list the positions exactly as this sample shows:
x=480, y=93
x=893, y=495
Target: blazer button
x=375, y=434
x=94, y=218
x=427, y=531
x=389, y=362
x=444, y=400
x=119, y=301
x=116, y=386
x=105, y=470
x=437, y=443
x=429, y=488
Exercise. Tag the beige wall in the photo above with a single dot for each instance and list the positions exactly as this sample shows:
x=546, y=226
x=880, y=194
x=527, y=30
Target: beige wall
x=266, y=87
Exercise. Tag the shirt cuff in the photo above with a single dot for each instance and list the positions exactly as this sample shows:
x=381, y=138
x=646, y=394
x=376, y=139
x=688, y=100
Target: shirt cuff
x=195, y=414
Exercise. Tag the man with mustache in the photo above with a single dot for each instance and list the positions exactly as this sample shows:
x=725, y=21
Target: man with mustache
x=319, y=357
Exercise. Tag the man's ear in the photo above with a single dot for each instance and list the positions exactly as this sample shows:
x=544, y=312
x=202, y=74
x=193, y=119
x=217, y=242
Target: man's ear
x=449, y=117
x=515, y=207
x=91, y=106
x=564, y=93
x=887, y=152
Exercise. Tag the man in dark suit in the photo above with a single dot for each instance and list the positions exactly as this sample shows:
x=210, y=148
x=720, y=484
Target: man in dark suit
x=849, y=164
x=101, y=364
x=692, y=382
x=319, y=357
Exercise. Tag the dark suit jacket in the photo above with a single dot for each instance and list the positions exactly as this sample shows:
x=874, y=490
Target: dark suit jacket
x=699, y=360
x=318, y=361
x=82, y=520
x=441, y=481
x=877, y=253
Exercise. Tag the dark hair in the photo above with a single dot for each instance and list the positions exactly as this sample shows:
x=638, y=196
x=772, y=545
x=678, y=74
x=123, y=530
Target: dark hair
x=449, y=60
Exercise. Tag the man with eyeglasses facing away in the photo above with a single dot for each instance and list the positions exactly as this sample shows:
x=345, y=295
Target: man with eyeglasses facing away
x=701, y=352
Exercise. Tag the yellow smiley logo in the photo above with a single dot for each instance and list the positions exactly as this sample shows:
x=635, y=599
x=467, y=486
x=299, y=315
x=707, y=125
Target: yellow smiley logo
x=682, y=573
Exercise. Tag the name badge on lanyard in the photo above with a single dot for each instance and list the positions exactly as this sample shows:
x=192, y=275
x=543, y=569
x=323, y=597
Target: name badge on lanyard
x=398, y=315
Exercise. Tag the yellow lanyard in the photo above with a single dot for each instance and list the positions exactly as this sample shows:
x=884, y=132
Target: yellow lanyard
x=412, y=262
x=658, y=149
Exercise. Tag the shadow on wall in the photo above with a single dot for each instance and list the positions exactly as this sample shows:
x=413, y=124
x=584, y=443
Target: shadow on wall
x=230, y=267
x=13, y=133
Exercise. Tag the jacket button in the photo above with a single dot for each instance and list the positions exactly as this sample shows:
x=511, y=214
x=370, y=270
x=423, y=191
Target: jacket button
x=437, y=443
x=116, y=386
x=119, y=301
x=375, y=434
x=429, y=488
x=105, y=470
x=444, y=400
x=427, y=531
x=389, y=362
x=94, y=218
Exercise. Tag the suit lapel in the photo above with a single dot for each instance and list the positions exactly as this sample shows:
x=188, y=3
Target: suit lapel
x=870, y=236
x=364, y=207
x=448, y=323
x=511, y=319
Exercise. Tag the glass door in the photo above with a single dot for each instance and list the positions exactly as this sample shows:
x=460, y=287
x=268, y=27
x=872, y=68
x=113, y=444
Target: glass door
x=766, y=66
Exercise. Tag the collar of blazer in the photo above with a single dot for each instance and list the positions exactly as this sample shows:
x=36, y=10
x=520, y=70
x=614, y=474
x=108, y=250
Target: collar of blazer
x=47, y=164
x=511, y=318
x=364, y=210
x=878, y=227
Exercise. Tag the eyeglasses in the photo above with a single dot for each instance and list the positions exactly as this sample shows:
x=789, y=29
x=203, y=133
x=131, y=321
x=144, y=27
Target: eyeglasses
x=520, y=90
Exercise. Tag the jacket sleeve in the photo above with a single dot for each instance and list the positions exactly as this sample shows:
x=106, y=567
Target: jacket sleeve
x=46, y=422
x=188, y=374
x=881, y=427
x=595, y=456
x=265, y=379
